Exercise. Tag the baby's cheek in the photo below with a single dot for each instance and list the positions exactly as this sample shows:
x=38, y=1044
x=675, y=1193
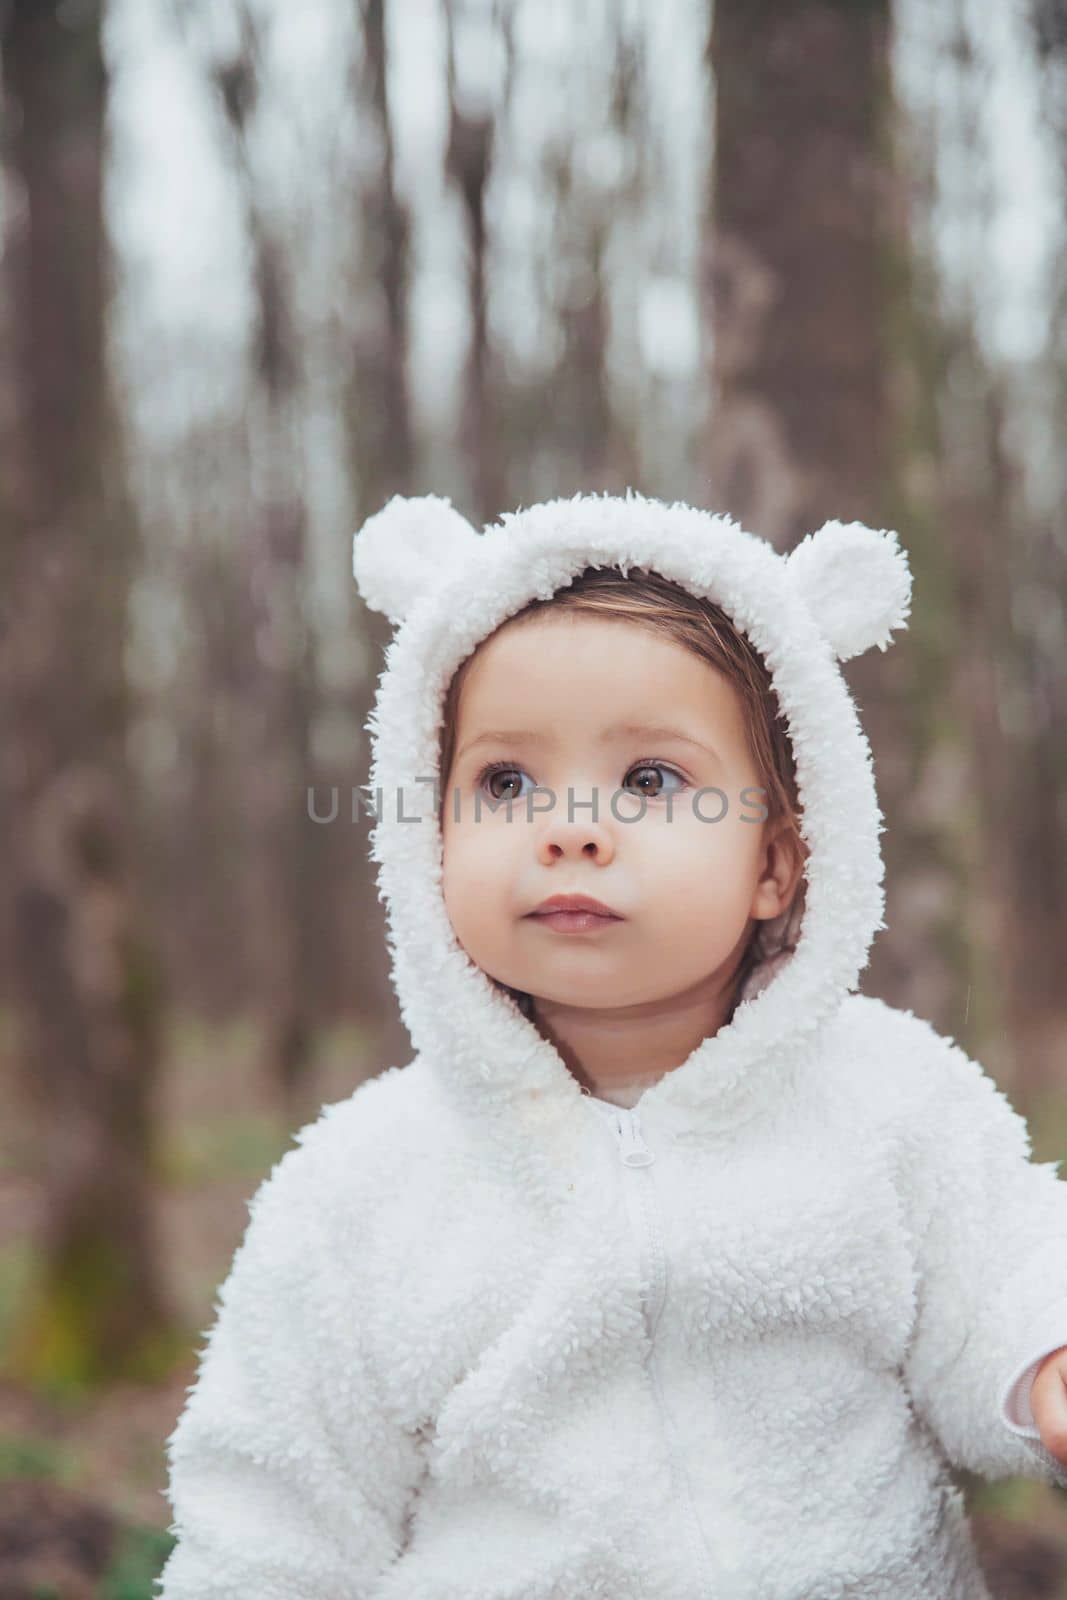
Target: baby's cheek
x=477, y=871
x=457, y=886
x=711, y=861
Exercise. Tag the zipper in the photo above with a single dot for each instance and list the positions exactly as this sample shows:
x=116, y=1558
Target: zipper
x=635, y=1152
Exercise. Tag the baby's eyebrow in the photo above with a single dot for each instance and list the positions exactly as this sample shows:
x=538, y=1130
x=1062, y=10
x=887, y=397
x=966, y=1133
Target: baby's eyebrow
x=618, y=730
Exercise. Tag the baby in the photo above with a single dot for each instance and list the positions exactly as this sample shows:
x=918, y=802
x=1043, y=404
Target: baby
x=670, y=1265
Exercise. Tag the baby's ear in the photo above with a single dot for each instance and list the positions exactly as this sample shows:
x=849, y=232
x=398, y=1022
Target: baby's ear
x=403, y=549
x=856, y=583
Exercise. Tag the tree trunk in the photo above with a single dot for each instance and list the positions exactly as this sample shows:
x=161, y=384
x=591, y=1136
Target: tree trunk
x=468, y=160
x=808, y=249
x=88, y=987
x=285, y=852
x=381, y=458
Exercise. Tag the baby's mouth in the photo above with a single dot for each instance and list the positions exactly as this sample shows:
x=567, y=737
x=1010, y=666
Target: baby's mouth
x=574, y=913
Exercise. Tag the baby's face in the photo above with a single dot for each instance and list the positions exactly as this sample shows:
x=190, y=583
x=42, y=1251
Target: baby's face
x=588, y=707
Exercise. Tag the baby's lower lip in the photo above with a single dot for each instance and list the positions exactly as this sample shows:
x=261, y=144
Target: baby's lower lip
x=574, y=921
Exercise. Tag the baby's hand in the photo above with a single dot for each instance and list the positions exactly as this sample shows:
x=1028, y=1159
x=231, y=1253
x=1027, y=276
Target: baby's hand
x=1048, y=1402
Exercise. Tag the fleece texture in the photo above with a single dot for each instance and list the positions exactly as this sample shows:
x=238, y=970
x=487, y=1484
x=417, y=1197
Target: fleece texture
x=487, y=1338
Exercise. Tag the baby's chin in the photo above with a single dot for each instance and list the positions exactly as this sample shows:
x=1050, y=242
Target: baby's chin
x=604, y=997
x=579, y=994
x=623, y=992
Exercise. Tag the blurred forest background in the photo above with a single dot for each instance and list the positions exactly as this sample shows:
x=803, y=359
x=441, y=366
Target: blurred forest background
x=265, y=264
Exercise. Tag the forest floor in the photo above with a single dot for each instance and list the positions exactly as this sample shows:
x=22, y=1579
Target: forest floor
x=82, y=1508
x=83, y=1514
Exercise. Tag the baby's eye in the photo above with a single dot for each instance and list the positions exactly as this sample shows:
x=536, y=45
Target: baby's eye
x=511, y=775
x=653, y=770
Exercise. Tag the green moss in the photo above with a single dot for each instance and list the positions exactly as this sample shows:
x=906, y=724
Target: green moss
x=1048, y=1125
x=63, y=1341
x=23, y=1457
x=139, y=1557
x=1006, y=1497
x=8, y=1030
x=242, y=1146
x=192, y=1039
x=143, y=995
x=17, y=1269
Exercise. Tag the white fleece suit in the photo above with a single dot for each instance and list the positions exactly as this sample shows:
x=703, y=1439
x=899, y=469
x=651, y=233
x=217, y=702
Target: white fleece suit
x=487, y=1338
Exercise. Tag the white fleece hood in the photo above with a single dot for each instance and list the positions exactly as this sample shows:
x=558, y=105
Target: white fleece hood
x=841, y=591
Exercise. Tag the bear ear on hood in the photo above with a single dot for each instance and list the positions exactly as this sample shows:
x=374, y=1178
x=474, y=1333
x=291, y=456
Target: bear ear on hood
x=400, y=552
x=856, y=583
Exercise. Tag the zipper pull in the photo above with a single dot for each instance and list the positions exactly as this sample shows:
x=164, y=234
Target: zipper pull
x=633, y=1151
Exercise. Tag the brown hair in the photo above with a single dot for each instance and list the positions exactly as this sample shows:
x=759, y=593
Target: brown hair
x=700, y=625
